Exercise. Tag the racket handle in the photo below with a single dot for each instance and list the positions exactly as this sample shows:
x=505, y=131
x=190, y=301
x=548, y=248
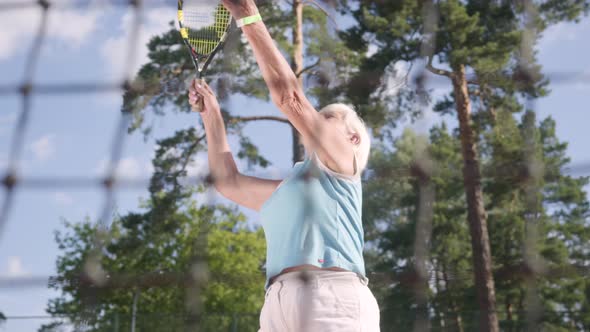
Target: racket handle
x=199, y=106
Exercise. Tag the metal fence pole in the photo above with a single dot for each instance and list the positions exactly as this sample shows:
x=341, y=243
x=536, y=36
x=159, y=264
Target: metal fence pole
x=116, y=322
x=234, y=322
x=134, y=314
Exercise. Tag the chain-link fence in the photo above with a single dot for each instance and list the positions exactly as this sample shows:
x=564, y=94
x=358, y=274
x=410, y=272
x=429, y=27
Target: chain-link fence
x=421, y=277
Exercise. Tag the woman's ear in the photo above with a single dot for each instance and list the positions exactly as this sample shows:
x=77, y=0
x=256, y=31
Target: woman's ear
x=355, y=139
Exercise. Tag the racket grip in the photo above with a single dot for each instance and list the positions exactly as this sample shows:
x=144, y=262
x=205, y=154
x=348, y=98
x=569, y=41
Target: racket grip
x=199, y=106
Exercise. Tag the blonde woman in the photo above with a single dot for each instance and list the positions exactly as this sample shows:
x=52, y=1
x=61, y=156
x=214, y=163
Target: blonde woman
x=311, y=219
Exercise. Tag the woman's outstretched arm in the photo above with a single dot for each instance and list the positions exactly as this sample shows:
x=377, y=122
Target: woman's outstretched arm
x=331, y=145
x=247, y=191
x=282, y=83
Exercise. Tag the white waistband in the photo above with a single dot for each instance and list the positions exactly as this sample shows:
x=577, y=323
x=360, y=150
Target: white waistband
x=313, y=276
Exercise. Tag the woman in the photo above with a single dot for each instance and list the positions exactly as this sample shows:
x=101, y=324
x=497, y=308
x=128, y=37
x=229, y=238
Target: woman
x=312, y=219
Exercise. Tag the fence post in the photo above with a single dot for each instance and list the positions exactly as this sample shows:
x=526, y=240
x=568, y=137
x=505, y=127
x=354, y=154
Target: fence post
x=116, y=322
x=234, y=323
x=134, y=311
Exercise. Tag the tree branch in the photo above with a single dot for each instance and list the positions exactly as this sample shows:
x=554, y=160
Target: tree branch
x=486, y=97
x=187, y=160
x=308, y=68
x=473, y=81
x=437, y=71
x=317, y=5
x=237, y=119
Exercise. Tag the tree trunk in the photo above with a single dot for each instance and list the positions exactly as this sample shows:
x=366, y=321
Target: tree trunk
x=482, y=260
x=297, y=66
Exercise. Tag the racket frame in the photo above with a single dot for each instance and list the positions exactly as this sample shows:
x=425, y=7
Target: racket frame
x=195, y=57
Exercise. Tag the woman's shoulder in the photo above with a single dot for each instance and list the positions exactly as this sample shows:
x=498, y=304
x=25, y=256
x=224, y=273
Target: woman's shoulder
x=314, y=159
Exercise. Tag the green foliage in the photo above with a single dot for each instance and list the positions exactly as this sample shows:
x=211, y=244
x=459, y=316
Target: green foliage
x=390, y=215
x=135, y=255
x=249, y=151
x=520, y=206
x=493, y=40
x=164, y=256
x=491, y=44
x=552, y=206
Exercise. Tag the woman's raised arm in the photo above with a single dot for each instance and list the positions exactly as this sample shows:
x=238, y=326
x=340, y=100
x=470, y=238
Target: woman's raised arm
x=331, y=145
x=247, y=191
x=284, y=87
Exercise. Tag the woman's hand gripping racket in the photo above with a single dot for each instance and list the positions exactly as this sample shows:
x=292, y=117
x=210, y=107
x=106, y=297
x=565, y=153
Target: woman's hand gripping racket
x=204, y=26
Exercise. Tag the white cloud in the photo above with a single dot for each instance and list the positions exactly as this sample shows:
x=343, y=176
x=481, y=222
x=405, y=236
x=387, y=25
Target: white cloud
x=62, y=198
x=15, y=268
x=44, y=147
x=372, y=50
x=127, y=168
x=84, y=22
x=69, y=26
x=397, y=77
x=172, y=153
x=196, y=171
x=115, y=49
x=197, y=168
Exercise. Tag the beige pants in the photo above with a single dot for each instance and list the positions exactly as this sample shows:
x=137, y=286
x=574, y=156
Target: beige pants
x=319, y=301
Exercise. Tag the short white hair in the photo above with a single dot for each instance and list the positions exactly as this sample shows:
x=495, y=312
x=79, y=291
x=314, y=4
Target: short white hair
x=354, y=125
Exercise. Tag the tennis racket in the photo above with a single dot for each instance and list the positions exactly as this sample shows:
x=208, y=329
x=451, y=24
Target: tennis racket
x=204, y=27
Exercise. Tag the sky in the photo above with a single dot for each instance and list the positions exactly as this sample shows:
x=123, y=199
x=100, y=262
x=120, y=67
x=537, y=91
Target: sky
x=72, y=135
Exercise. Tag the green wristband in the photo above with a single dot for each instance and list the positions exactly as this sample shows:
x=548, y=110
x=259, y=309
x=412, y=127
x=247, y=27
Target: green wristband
x=248, y=20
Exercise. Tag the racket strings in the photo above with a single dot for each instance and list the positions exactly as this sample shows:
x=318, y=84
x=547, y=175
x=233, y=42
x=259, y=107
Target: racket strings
x=206, y=28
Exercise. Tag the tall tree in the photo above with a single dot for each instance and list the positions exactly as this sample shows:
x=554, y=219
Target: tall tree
x=393, y=203
x=561, y=218
x=553, y=219
x=163, y=268
x=484, y=49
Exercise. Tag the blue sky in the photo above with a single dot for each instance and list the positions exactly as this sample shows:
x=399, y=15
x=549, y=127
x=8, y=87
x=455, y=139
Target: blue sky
x=71, y=135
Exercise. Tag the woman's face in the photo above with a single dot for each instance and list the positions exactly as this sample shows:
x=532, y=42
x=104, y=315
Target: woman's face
x=337, y=120
x=334, y=120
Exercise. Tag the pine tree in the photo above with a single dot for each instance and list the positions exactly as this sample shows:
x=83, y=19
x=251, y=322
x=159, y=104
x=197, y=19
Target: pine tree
x=391, y=209
x=484, y=49
x=553, y=298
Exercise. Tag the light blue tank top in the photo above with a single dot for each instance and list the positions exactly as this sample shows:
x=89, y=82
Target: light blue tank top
x=314, y=217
